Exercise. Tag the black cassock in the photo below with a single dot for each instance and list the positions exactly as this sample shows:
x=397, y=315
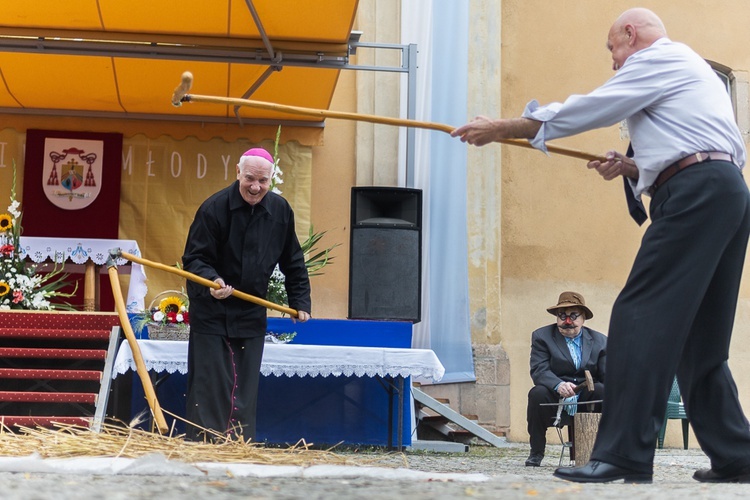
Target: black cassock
x=241, y=244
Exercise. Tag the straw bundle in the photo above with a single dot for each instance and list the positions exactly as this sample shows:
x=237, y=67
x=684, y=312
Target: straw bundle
x=70, y=441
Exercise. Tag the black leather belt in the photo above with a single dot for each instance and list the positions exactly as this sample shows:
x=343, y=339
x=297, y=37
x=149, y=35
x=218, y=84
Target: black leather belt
x=686, y=162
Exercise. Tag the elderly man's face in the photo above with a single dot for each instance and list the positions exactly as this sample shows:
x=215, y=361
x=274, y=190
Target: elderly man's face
x=569, y=321
x=618, y=43
x=254, y=174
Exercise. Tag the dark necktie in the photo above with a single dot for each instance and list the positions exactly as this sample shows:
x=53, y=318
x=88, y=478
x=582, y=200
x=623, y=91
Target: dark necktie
x=635, y=207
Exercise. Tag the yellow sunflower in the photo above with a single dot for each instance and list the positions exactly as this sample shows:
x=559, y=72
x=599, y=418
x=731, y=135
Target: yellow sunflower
x=6, y=223
x=171, y=304
x=4, y=289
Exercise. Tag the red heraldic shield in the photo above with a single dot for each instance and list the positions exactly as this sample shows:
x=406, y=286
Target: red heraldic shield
x=71, y=184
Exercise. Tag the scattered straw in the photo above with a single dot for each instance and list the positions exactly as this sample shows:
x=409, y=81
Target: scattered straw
x=69, y=441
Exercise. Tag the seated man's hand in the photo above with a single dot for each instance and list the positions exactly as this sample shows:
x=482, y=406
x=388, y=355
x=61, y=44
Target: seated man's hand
x=566, y=389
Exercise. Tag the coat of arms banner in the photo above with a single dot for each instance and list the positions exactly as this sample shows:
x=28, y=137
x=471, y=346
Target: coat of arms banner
x=71, y=184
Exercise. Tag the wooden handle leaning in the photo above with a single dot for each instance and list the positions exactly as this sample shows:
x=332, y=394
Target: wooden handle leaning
x=140, y=365
x=210, y=284
x=587, y=384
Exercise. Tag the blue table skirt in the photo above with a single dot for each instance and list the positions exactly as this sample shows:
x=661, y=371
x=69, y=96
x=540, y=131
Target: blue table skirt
x=320, y=410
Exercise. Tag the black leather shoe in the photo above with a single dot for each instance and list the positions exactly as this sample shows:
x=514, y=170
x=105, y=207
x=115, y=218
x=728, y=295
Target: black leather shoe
x=601, y=472
x=534, y=460
x=711, y=476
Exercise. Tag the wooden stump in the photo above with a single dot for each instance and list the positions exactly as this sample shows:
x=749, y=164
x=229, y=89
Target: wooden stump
x=586, y=425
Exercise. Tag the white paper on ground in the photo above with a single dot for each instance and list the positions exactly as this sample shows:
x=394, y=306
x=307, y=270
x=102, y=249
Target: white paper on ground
x=156, y=464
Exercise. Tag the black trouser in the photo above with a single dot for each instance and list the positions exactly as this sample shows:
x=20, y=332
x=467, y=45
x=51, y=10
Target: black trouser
x=675, y=315
x=539, y=418
x=223, y=376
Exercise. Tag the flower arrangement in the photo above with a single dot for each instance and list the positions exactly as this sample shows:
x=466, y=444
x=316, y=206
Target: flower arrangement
x=167, y=317
x=172, y=310
x=21, y=286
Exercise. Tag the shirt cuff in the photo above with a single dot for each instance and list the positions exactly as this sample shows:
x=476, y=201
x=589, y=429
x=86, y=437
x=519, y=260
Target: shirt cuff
x=541, y=114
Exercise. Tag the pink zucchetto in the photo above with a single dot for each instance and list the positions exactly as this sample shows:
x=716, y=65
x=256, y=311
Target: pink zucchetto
x=260, y=152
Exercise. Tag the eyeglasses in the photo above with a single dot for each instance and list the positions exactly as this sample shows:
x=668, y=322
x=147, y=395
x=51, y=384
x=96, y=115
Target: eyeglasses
x=573, y=316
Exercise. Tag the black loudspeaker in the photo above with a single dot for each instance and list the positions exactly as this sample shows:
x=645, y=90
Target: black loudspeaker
x=385, y=259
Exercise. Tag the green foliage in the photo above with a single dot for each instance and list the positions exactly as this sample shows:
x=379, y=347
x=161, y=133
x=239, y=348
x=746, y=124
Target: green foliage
x=315, y=261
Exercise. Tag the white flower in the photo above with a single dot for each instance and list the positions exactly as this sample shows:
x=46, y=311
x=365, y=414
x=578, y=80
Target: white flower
x=180, y=318
x=13, y=209
x=277, y=274
x=23, y=281
x=38, y=301
x=158, y=316
x=276, y=179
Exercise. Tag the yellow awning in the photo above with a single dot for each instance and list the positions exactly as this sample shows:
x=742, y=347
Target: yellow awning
x=123, y=59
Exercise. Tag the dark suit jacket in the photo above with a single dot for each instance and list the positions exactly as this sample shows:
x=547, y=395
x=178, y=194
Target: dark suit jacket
x=551, y=362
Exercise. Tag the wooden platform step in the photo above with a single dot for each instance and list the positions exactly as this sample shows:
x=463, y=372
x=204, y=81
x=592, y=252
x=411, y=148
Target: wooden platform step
x=51, y=333
x=45, y=374
x=47, y=397
x=39, y=421
x=35, y=352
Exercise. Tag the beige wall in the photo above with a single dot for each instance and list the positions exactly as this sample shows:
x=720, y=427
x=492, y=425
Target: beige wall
x=355, y=153
x=333, y=176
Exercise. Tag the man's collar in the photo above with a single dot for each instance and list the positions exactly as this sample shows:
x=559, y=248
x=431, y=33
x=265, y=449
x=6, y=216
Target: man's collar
x=577, y=337
x=236, y=201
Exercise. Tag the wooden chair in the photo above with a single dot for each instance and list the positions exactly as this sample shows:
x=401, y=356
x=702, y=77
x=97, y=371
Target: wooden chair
x=675, y=410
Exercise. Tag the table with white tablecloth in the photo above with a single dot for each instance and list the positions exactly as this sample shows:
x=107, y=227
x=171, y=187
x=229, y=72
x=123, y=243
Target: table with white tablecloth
x=322, y=394
x=90, y=254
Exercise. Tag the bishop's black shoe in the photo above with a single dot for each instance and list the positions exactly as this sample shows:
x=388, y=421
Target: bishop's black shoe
x=534, y=460
x=711, y=476
x=601, y=472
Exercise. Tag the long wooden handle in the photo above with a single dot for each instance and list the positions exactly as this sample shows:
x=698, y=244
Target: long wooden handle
x=181, y=95
x=403, y=122
x=208, y=283
x=140, y=366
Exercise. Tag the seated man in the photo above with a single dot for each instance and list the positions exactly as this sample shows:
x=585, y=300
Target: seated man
x=560, y=353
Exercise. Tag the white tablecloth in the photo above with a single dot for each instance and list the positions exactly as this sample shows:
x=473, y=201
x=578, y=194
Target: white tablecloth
x=297, y=359
x=81, y=250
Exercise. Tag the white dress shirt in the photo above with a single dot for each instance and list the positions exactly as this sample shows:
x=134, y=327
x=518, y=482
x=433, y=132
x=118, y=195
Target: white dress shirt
x=674, y=103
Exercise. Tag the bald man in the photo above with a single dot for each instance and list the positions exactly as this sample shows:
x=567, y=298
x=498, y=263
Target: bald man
x=676, y=310
x=238, y=236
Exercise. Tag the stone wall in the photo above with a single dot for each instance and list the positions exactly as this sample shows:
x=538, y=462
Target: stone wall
x=489, y=397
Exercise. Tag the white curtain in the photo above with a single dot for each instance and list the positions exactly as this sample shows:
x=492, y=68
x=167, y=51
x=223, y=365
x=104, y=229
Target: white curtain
x=439, y=28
